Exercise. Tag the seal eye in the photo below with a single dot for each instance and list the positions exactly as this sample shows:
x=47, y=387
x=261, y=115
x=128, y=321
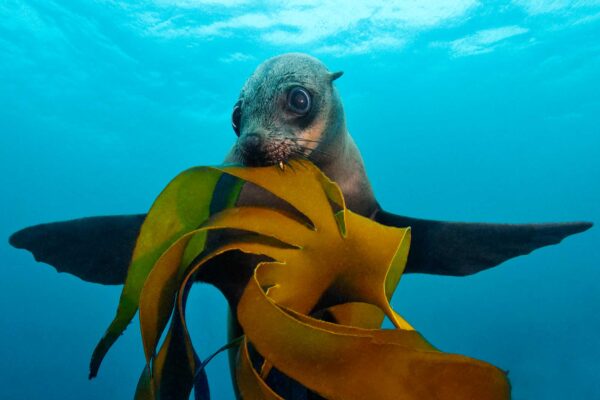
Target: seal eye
x=299, y=100
x=236, y=116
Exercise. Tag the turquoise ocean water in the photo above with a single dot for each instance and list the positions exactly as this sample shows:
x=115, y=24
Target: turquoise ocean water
x=463, y=110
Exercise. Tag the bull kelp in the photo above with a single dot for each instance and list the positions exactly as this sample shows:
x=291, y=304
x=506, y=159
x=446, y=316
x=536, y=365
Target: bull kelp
x=329, y=262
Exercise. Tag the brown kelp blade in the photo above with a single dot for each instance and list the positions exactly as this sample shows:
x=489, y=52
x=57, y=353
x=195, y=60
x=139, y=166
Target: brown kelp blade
x=342, y=364
x=374, y=281
x=181, y=207
x=339, y=262
x=268, y=223
x=160, y=287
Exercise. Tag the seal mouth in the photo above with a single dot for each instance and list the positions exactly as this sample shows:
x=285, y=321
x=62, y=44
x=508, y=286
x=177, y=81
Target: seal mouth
x=272, y=152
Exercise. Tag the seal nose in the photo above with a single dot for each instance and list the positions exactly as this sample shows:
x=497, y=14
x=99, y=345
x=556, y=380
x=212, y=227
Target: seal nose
x=253, y=148
x=252, y=141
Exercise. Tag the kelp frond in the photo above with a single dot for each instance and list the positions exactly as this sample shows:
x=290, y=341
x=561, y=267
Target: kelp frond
x=340, y=263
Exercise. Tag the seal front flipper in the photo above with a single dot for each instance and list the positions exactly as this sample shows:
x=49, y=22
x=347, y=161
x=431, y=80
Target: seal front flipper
x=95, y=249
x=460, y=248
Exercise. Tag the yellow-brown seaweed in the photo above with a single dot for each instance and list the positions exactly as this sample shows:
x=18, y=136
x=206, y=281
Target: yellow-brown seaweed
x=340, y=262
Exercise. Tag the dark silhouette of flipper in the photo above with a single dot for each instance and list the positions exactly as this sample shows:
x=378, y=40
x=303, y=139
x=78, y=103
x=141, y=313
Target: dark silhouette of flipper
x=461, y=248
x=98, y=249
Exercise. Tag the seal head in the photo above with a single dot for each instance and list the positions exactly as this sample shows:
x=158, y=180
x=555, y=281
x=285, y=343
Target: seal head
x=288, y=108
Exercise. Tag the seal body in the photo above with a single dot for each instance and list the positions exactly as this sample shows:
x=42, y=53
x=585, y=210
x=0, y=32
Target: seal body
x=271, y=131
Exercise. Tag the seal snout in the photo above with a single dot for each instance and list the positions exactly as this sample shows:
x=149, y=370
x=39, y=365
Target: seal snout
x=260, y=149
x=251, y=142
x=286, y=109
x=252, y=149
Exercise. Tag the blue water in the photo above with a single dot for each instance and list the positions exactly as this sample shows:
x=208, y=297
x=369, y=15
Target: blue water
x=463, y=111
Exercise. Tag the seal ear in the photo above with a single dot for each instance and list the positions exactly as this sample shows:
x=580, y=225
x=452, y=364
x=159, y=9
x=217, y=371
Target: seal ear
x=334, y=75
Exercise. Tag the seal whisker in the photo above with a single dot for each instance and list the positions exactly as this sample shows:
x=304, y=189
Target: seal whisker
x=317, y=150
x=307, y=140
x=299, y=154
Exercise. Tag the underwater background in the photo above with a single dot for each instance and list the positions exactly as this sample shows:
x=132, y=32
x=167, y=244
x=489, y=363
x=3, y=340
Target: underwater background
x=463, y=110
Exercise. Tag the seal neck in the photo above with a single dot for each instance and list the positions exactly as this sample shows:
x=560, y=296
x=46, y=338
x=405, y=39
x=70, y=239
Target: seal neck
x=348, y=171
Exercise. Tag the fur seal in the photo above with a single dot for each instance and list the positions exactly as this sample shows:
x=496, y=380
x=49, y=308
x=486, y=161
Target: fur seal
x=289, y=107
